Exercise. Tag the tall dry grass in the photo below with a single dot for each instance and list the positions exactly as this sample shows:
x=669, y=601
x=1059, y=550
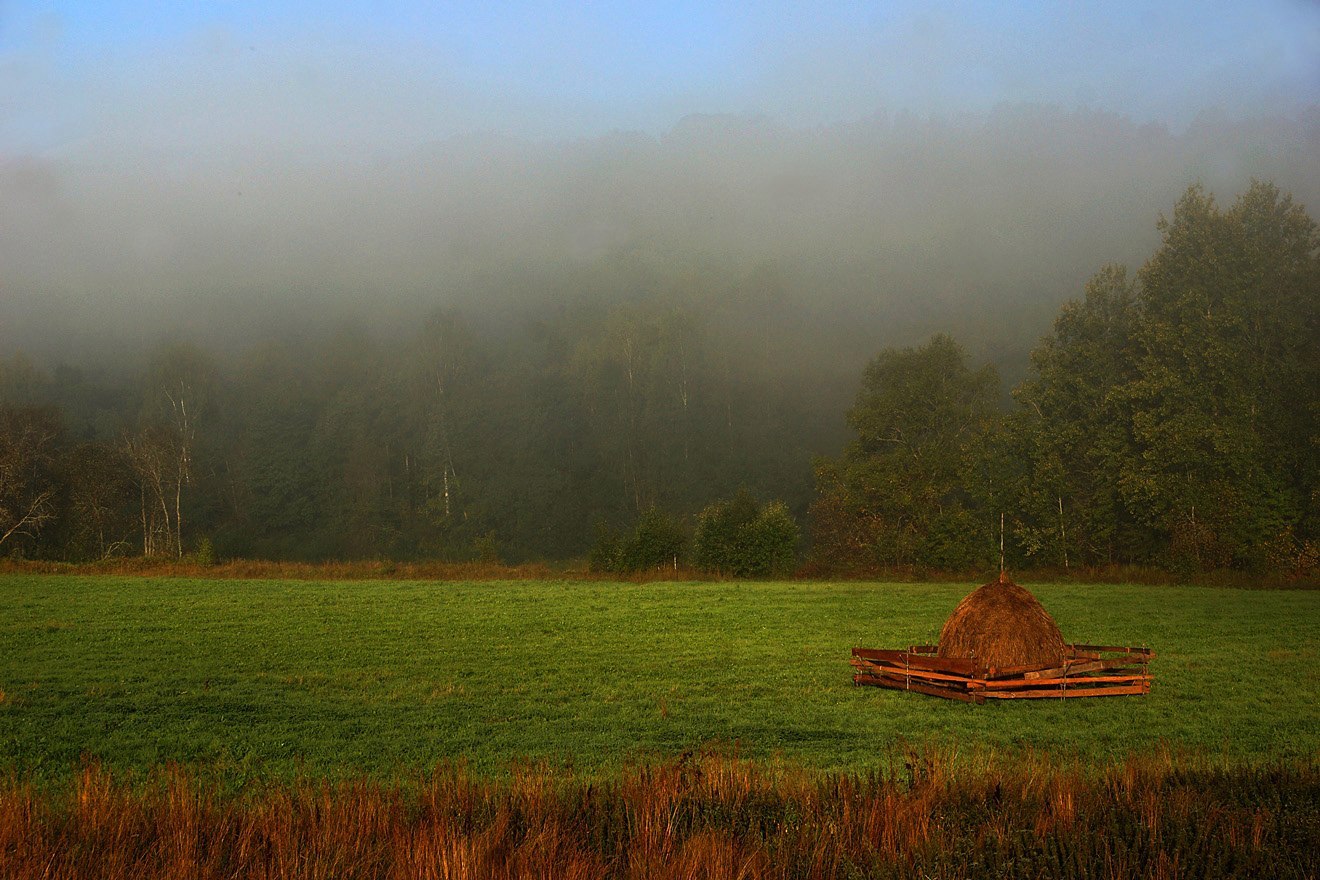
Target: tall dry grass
x=433, y=570
x=933, y=815
x=260, y=569
x=360, y=569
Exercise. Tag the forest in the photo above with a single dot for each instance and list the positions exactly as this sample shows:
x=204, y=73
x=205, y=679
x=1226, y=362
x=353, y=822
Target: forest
x=1169, y=419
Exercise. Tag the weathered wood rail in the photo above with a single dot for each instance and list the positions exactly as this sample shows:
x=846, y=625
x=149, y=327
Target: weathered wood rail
x=1087, y=671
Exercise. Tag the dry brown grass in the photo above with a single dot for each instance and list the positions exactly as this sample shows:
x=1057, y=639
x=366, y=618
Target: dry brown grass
x=703, y=817
x=366, y=569
x=273, y=570
x=486, y=571
x=1002, y=625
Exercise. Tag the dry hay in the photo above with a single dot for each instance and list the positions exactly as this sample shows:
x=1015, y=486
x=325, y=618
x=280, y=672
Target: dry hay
x=1002, y=625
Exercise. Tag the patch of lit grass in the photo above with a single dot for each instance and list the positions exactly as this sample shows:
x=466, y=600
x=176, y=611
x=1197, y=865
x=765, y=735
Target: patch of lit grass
x=282, y=678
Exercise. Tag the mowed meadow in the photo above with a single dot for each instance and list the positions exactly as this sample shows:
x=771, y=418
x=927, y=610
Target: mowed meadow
x=283, y=679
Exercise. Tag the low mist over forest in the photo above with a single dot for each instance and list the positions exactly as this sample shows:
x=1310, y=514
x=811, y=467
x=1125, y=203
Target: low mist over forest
x=1169, y=418
x=824, y=243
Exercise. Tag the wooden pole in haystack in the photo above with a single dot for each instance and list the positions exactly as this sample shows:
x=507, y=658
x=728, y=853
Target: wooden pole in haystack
x=1001, y=545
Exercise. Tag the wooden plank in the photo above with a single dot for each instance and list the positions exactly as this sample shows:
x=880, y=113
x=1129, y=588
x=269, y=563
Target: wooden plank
x=1056, y=694
x=900, y=672
x=924, y=661
x=1112, y=649
x=928, y=689
x=1079, y=681
x=902, y=658
x=1085, y=666
x=1010, y=671
x=1111, y=657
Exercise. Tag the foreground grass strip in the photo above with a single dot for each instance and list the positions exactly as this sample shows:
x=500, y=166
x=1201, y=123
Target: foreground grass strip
x=934, y=814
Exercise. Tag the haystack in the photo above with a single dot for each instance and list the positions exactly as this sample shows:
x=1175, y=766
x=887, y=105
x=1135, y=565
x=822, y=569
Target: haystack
x=1000, y=644
x=1002, y=625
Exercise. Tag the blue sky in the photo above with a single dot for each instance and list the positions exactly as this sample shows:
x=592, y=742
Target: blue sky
x=105, y=77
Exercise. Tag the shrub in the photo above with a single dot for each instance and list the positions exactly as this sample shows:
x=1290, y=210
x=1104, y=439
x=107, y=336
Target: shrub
x=740, y=538
x=605, y=552
x=656, y=542
x=486, y=549
x=204, y=555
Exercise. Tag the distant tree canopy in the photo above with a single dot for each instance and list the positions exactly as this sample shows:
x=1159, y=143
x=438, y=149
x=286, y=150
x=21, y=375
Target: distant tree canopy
x=897, y=496
x=1172, y=419
x=441, y=444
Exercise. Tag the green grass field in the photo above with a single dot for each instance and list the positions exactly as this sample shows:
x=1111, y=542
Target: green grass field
x=272, y=679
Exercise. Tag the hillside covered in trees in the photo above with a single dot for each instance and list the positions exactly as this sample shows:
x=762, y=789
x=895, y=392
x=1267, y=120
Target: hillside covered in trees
x=1171, y=418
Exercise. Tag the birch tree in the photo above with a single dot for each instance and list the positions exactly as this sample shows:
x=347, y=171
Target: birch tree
x=178, y=384
x=446, y=349
x=148, y=454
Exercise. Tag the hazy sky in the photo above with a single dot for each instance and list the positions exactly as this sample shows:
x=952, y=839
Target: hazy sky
x=199, y=81
x=215, y=165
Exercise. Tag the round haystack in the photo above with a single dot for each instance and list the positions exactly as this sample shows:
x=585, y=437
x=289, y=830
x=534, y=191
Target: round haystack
x=1001, y=625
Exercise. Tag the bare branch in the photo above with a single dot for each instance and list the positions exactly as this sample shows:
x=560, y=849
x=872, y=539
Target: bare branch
x=38, y=513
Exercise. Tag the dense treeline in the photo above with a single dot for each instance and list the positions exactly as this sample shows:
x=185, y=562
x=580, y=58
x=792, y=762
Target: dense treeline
x=1170, y=419
x=452, y=443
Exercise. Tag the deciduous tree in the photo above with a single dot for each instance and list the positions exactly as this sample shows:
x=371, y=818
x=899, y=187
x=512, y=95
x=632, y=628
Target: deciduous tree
x=898, y=496
x=29, y=438
x=1224, y=407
